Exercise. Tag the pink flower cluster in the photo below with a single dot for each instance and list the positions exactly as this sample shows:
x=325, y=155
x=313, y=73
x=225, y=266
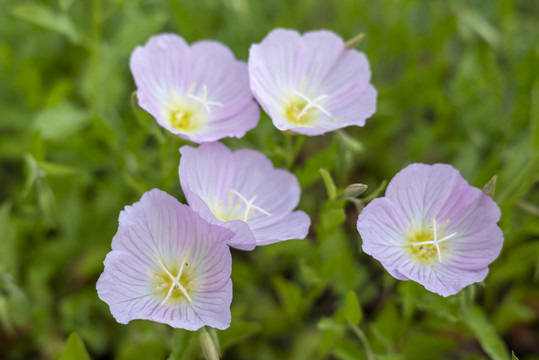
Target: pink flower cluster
x=171, y=262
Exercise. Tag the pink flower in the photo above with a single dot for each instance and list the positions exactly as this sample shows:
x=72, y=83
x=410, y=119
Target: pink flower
x=168, y=265
x=200, y=92
x=311, y=84
x=432, y=228
x=243, y=192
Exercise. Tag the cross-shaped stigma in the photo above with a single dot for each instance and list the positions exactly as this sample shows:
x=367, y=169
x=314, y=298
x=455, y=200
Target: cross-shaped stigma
x=249, y=205
x=176, y=279
x=311, y=104
x=435, y=241
x=203, y=99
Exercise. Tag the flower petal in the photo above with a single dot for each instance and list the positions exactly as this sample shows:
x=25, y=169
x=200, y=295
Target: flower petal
x=126, y=287
x=421, y=190
x=156, y=235
x=159, y=69
x=277, y=191
x=293, y=226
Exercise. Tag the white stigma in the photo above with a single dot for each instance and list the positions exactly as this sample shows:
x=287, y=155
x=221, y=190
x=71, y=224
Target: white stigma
x=203, y=99
x=249, y=205
x=176, y=279
x=311, y=104
x=435, y=241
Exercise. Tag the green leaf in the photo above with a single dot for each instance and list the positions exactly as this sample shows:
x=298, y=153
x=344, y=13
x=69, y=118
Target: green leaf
x=349, y=142
x=237, y=332
x=513, y=356
x=146, y=350
x=31, y=170
x=60, y=122
x=55, y=169
x=481, y=26
x=353, y=311
x=44, y=16
x=290, y=295
x=75, y=349
x=486, y=334
x=330, y=185
x=323, y=159
x=534, y=120
x=65, y=4
x=376, y=192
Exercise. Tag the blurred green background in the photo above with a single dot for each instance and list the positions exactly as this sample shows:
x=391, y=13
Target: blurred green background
x=458, y=83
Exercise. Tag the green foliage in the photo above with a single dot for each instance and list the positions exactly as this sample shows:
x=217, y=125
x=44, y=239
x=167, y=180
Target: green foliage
x=486, y=334
x=74, y=349
x=353, y=310
x=457, y=83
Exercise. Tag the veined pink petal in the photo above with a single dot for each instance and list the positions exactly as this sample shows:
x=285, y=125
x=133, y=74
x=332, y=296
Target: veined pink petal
x=200, y=93
x=168, y=265
x=243, y=192
x=433, y=228
x=311, y=84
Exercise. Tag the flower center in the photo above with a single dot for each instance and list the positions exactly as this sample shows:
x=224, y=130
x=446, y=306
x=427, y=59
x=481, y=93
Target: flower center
x=426, y=244
x=188, y=113
x=301, y=109
x=174, y=285
x=239, y=207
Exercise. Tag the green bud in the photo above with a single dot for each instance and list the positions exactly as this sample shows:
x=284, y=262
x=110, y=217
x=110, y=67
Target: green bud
x=490, y=187
x=354, y=190
x=208, y=345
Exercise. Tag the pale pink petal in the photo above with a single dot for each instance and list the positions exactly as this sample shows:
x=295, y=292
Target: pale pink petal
x=331, y=79
x=438, y=200
x=243, y=192
x=159, y=69
x=292, y=226
x=157, y=237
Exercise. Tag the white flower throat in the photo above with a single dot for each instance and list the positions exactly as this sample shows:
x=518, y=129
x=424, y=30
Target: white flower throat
x=429, y=243
x=238, y=207
x=300, y=107
x=177, y=287
x=190, y=112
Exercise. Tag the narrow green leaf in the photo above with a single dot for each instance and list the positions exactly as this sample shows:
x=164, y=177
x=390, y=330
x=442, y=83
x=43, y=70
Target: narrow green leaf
x=55, y=169
x=353, y=311
x=513, y=356
x=74, y=349
x=486, y=334
x=330, y=185
x=490, y=187
x=47, y=18
x=31, y=170
x=534, y=120
x=350, y=143
x=480, y=25
x=352, y=43
x=376, y=192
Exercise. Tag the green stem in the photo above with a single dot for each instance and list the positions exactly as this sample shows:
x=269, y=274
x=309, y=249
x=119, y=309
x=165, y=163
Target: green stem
x=293, y=144
x=364, y=341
